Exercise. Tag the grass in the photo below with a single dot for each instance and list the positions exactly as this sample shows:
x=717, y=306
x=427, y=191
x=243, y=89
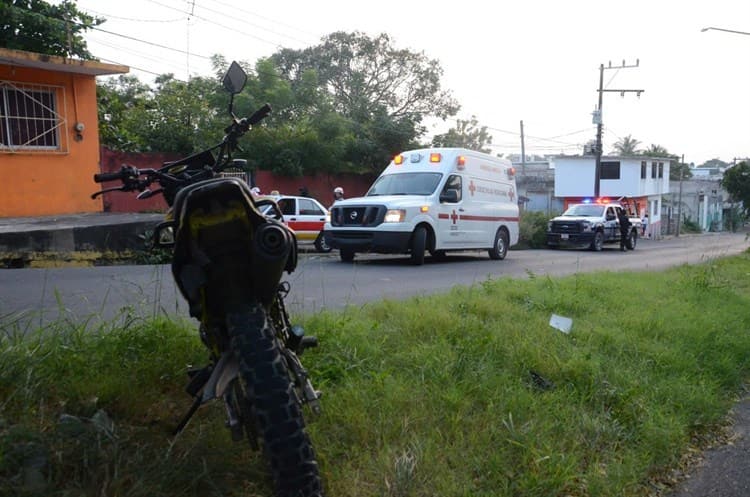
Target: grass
x=469, y=393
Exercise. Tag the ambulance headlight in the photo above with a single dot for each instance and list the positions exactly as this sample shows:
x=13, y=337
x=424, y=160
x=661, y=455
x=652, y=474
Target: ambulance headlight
x=395, y=216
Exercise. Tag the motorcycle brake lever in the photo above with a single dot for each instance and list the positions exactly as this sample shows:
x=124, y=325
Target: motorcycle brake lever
x=113, y=189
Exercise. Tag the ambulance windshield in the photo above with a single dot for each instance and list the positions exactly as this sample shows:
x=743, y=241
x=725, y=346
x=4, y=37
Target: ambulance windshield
x=405, y=184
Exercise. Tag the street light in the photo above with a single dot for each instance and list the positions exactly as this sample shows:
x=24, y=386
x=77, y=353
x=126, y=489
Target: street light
x=727, y=30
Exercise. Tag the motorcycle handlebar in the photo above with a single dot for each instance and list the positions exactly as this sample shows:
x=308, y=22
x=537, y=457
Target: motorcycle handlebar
x=258, y=115
x=123, y=174
x=103, y=177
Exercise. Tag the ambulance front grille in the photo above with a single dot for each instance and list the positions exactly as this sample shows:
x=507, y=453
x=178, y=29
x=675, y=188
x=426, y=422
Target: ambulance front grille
x=366, y=215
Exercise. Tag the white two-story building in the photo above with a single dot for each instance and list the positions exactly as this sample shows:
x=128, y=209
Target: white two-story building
x=642, y=180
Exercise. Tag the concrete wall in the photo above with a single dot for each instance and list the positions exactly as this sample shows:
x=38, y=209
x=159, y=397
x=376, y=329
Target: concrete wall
x=319, y=187
x=53, y=182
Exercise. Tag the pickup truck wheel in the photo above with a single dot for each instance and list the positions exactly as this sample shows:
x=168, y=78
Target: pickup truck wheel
x=598, y=242
x=347, y=255
x=500, y=249
x=632, y=240
x=418, y=245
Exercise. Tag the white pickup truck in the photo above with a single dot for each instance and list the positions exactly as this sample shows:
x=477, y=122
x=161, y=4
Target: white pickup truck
x=590, y=225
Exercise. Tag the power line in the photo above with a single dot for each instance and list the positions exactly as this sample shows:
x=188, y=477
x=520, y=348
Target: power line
x=112, y=16
x=62, y=21
x=218, y=24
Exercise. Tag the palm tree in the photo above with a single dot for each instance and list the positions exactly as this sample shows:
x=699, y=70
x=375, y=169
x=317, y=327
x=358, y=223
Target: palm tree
x=626, y=146
x=657, y=151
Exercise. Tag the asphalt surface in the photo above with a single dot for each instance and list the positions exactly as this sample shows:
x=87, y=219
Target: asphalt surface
x=723, y=471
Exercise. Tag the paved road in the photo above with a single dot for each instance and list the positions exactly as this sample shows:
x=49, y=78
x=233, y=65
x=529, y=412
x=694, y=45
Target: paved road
x=724, y=470
x=323, y=282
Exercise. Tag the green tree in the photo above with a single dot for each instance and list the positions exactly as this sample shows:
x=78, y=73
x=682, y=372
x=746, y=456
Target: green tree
x=736, y=182
x=174, y=116
x=466, y=134
x=121, y=105
x=679, y=170
x=657, y=151
x=37, y=26
x=627, y=146
x=384, y=92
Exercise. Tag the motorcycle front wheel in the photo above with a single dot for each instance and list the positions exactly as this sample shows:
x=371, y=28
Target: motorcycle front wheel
x=277, y=414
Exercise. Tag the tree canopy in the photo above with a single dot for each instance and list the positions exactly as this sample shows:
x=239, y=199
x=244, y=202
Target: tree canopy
x=346, y=105
x=736, y=182
x=37, y=26
x=626, y=146
x=382, y=93
x=466, y=134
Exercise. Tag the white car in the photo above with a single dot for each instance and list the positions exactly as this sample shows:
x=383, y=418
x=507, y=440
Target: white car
x=305, y=216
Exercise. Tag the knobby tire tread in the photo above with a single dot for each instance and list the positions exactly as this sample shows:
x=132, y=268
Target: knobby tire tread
x=278, y=415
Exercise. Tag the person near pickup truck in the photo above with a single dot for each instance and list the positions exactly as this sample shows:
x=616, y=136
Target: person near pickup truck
x=624, y=228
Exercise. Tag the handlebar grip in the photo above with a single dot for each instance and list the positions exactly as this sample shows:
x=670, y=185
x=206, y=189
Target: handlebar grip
x=258, y=115
x=102, y=177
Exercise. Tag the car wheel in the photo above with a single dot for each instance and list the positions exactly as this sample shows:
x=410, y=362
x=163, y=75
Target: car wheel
x=321, y=245
x=418, y=245
x=500, y=249
x=598, y=243
x=347, y=255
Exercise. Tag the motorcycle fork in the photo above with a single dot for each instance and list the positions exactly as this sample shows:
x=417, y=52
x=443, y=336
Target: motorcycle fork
x=295, y=342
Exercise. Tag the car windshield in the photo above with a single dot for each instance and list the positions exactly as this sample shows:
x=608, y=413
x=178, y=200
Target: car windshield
x=589, y=210
x=405, y=184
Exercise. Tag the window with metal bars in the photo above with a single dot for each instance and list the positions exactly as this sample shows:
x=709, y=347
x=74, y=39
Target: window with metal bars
x=29, y=118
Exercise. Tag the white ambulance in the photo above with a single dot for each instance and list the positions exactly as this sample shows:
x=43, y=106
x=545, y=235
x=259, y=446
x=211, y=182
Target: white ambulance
x=435, y=200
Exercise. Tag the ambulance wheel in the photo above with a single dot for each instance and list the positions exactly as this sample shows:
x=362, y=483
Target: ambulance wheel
x=500, y=249
x=439, y=255
x=418, y=245
x=347, y=255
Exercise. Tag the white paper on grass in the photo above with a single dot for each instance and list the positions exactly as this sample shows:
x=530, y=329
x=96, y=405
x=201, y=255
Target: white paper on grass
x=561, y=323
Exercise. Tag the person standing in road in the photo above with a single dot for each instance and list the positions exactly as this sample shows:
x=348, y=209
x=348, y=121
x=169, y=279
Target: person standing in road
x=644, y=221
x=338, y=194
x=624, y=221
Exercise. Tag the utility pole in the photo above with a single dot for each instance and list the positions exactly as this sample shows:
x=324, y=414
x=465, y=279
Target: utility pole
x=599, y=119
x=523, y=151
x=679, y=197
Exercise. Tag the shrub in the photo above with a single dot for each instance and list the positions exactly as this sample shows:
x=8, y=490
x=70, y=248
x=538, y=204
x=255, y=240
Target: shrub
x=533, y=230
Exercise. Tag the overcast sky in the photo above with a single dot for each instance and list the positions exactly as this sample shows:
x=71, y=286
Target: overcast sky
x=535, y=61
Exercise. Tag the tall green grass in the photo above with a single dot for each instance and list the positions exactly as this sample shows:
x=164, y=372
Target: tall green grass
x=469, y=393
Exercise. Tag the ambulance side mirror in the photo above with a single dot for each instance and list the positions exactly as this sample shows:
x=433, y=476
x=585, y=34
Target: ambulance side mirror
x=449, y=196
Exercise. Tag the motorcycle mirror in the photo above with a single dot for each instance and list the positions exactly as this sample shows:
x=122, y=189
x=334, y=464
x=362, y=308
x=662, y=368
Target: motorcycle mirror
x=235, y=78
x=164, y=235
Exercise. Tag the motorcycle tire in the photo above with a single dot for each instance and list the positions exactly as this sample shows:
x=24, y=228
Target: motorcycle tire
x=277, y=414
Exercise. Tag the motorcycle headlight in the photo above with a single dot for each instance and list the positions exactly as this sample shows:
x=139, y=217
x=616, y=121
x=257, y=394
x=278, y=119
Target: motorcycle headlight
x=395, y=216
